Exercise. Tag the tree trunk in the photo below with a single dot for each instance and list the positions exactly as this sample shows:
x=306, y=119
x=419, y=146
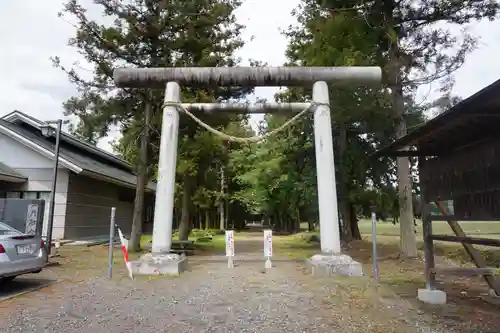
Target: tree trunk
x=185, y=225
x=297, y=223
x=353, y=222
x=222, y=211
x=345, y=229
x=310, y=225
x=228, y=214
x=207, y=219
x=407, y=236
x=408, y=244
x=134, y=244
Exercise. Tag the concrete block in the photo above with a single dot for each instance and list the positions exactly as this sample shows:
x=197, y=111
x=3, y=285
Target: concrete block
x=160, y=264
x=334, y=264
x=432, y=296
x=492, y=297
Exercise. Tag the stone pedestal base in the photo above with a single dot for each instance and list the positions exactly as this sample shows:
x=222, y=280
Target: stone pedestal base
x=159, y=264
x=432, y=296
x=492, y=297
x=334, y=264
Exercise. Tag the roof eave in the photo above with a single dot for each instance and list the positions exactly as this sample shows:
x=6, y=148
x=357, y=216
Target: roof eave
x=45, y=152
x=99, y=176
x=37, y=123
x=12, y=178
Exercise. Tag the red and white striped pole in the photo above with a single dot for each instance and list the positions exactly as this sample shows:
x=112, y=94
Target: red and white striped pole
x=124, y=243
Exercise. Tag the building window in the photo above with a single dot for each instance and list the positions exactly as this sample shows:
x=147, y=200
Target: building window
x=30, y=195
x=44, y=196
x=13, y=195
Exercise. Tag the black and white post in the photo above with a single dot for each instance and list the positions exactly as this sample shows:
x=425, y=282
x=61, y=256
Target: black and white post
x=230, y=248
x=268, y=247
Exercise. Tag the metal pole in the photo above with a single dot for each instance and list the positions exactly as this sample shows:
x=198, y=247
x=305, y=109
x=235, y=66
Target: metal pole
x=111, y=241
x=374, y=246
x=50, y=222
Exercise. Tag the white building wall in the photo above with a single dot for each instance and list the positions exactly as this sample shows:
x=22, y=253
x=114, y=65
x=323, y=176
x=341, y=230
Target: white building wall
x=38, y=169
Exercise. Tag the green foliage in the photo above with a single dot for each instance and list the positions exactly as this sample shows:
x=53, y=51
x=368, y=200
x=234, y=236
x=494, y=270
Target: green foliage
x=276, y=179
x=145, y=33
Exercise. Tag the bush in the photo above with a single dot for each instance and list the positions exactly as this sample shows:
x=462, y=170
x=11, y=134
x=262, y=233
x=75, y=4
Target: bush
x=196, y=233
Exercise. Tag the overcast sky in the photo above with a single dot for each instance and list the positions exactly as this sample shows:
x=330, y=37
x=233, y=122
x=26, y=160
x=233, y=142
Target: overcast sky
x=31, y=33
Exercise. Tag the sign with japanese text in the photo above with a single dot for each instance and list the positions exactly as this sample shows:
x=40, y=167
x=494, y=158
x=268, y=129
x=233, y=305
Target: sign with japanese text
x=31, y=219
x=229, y=243
x=268, y=243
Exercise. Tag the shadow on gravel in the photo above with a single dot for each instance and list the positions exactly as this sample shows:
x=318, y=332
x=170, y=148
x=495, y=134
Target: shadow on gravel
x=21, y=286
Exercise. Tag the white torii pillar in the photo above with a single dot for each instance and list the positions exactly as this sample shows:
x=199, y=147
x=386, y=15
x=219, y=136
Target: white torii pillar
x=325, y=171
x=167, y=164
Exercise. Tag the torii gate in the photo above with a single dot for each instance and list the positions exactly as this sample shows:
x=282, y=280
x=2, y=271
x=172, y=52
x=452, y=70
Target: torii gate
x=161, y=261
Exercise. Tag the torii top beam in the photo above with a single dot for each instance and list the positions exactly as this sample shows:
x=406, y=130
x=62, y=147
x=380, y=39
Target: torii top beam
x=245, y=76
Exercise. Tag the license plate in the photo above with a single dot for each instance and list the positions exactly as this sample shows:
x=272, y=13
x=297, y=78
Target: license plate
x=24, y=249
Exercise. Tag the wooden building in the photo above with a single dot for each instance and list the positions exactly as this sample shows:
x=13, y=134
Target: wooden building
x=459, y=170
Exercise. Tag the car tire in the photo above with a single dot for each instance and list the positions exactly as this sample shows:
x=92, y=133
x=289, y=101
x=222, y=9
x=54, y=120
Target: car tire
x=7, y=279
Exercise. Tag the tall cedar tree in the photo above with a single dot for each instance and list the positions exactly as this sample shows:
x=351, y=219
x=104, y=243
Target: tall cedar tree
x=339, y=40
x=145, y=33
x=278, y=177
x=415, y=48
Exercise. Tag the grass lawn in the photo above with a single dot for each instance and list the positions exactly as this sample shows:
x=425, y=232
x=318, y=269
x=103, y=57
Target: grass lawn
x=401, y=279
x=294, y=246
x=476, y=228
x=78, y=262
x=388, y=236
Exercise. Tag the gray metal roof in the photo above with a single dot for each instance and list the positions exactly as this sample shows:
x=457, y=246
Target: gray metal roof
x=97, y=165
x=475, y=118
x=18, y=117
x=7, y=171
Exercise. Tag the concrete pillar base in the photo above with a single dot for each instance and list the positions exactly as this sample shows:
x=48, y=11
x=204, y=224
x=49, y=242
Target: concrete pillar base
x=160, y=264
x=334, y=264
x=492, y=297
x=432, y=296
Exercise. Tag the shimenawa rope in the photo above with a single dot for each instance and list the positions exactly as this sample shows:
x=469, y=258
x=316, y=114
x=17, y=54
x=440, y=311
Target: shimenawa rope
x=252, y=139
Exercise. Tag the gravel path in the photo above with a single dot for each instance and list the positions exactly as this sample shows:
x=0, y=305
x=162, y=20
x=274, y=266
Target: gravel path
x=208, y=298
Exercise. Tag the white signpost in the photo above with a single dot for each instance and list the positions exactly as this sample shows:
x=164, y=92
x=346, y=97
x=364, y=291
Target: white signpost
x=230, y=248
x=268, y=247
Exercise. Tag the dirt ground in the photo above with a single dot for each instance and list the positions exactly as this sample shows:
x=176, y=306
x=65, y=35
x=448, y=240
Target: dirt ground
x=213, y=298
x=468, y=308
